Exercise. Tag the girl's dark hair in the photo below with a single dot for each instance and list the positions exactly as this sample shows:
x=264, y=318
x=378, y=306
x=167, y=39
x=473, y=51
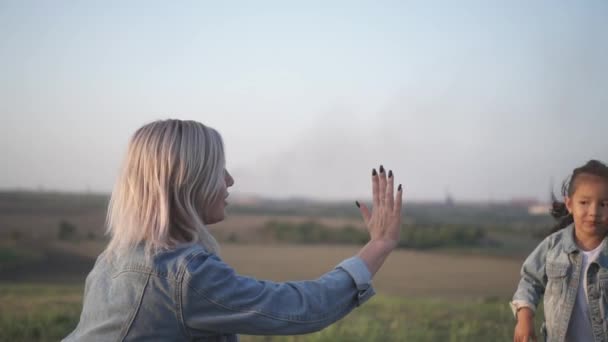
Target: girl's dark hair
x=558, y=209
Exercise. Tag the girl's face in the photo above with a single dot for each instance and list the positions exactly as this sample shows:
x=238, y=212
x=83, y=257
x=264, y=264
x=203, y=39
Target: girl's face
x=215, y=212
x=589, y=205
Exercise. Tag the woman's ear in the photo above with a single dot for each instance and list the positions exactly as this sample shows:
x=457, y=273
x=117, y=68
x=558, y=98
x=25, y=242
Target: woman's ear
x=568, y=202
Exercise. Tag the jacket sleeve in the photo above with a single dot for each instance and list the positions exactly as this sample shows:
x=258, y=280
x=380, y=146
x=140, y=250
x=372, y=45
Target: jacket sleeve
x=215, y=299
x=533, y=279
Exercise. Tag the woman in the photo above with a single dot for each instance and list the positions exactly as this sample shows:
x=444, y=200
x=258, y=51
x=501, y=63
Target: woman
x=160, y=278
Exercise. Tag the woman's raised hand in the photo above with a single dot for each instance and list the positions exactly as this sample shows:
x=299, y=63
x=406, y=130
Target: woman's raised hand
x=383, y=221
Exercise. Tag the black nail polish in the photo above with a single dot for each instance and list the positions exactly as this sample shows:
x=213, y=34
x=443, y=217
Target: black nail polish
x=381, y=169
x=374, y=172
x=399, y=188
x=358, y=205
x=390, y=173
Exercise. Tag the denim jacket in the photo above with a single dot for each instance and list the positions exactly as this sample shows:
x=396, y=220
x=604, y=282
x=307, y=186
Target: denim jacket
x=554, y=269
x=188, y=294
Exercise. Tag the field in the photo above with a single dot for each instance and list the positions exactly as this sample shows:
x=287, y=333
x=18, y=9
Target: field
x=423, y=296
x=449, y=294
x=35, y=312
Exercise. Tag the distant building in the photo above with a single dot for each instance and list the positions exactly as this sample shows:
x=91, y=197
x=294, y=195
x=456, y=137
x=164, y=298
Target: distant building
x=449, y=200
x=523, y=202
x=539, y=209
x=534, y=206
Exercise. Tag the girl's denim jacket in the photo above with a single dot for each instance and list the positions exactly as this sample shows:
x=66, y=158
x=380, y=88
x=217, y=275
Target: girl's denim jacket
x=554, y=269
x=188, y=294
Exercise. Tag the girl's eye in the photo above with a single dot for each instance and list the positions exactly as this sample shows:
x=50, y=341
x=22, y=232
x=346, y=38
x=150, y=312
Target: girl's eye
x=583, y=202
x=604, y=204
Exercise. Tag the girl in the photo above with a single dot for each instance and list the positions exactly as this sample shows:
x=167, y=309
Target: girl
x=160, y=278
x=570, y=267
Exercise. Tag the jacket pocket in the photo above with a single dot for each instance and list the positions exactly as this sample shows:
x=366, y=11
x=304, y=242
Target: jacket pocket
x=603, y=287
x=556, y=278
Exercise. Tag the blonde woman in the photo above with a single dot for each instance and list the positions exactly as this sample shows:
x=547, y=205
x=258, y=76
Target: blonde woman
x=161, y=279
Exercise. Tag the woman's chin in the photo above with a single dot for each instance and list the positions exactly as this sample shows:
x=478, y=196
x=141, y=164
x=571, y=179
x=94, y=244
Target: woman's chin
x=215, y=219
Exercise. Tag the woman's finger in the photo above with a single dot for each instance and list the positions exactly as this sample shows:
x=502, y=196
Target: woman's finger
x=398, y=201
x=364, y=211
x=382, y=187
x=390, y=200
x=375, y=190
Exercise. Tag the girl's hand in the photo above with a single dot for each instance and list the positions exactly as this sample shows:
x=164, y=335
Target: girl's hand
x=524, y=329
x=384, y=221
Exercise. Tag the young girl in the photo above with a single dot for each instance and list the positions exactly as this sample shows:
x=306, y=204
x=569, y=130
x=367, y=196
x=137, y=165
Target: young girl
x=570, y=267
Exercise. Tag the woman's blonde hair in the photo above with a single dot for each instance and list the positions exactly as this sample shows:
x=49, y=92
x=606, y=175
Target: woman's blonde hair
x=172, y=171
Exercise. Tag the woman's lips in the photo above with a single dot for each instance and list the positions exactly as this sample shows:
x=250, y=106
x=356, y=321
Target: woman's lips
x=592, y=223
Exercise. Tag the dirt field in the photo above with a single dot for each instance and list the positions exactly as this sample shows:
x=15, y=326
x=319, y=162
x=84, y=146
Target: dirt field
x=406, y=273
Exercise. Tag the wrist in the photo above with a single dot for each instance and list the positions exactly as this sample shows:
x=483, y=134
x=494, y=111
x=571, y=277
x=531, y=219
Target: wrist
x=375, y=252
x=383, y=244
x=524, y=313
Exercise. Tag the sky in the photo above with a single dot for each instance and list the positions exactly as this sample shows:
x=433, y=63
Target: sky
x=484, y=100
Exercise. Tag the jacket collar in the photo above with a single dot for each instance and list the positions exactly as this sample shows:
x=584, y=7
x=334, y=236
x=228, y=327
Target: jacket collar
x=570, y=246
x=602, y=258
x=568, y=239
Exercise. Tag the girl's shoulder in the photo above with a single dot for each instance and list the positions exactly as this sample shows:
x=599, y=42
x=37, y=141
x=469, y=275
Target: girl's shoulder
x=564, y=239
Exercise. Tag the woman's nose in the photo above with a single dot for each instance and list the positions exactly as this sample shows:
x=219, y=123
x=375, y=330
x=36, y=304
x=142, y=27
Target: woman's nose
x=593, y=210
x=229, y=179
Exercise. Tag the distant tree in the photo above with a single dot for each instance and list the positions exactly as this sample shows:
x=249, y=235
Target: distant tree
x=16, y=235
x=232, y=238
x=67, y=231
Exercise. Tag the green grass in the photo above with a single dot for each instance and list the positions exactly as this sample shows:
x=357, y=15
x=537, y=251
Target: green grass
x=11, y=256
x=33, y=312
x=38, y=312
x=403, y=319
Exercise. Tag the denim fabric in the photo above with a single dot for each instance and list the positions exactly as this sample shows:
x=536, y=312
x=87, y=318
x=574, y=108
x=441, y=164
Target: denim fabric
x=553, y=270
x=187, y=294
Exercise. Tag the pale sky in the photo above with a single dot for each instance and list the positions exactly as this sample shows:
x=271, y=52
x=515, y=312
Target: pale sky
x=484, y=99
